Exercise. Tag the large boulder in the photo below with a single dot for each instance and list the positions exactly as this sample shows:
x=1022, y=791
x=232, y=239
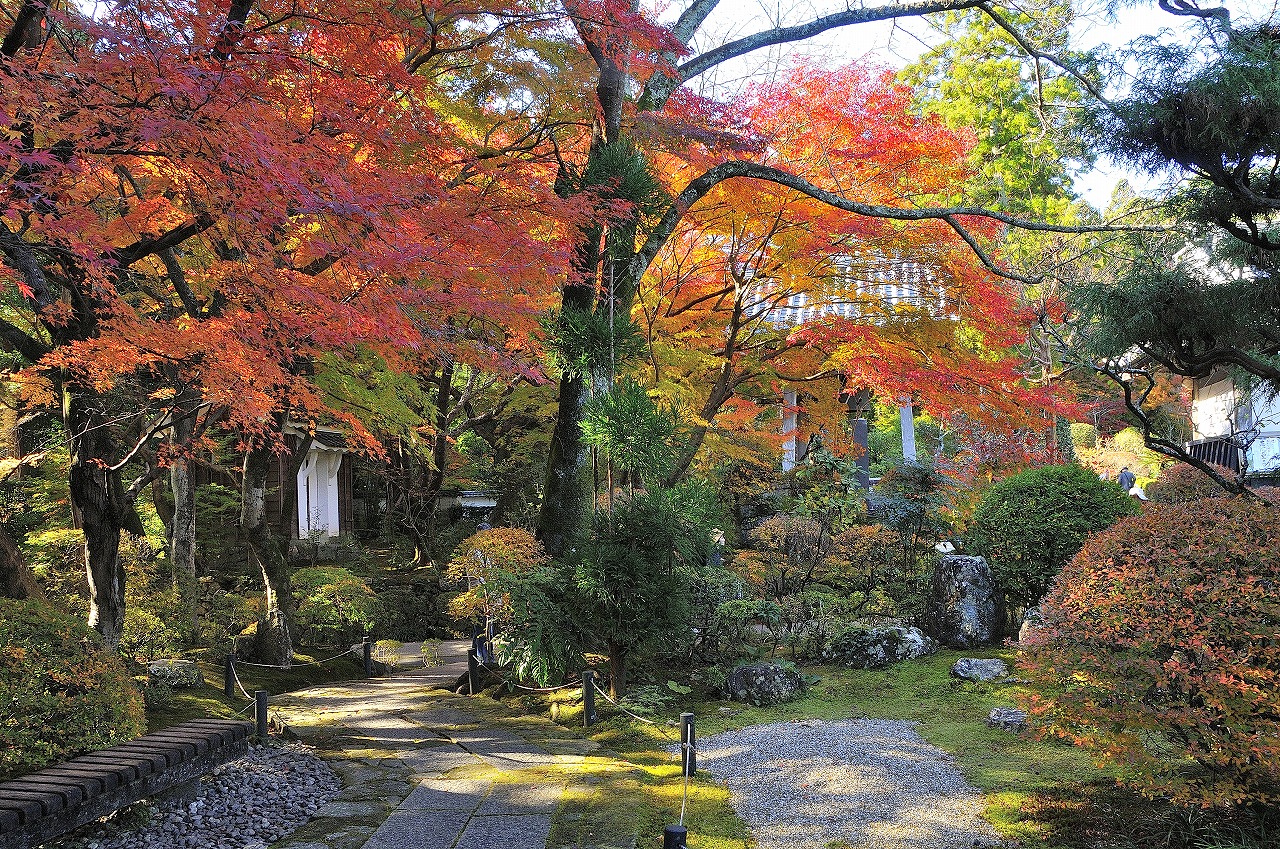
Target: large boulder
x=764, y=683
x=980, y=669
x=176, y=673
x=962, y=605
x=869, y=647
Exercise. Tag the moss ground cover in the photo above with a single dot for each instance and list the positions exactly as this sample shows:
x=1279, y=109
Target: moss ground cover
x=209, y=701
x=1040, y=794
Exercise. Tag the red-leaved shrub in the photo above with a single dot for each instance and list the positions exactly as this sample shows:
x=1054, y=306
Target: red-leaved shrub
x=1181, y=483
x=1161, y=651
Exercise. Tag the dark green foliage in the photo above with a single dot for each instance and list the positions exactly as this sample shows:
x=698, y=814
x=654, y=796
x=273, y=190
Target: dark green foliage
x=333, y=604
x=632, y=429
x=1209, y=108
x=1212, y=107
x=1031, y=524
x=61, y=693
x=634, y=574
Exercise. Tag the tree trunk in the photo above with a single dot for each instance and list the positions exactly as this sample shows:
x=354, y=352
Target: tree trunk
x=16, y=579
x=98, y=501
x=274, y=640
x=182, y=526
x=617, y=670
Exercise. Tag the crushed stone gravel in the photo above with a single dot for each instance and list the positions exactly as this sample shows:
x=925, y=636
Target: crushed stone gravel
x=244, y=804
x=870, y=784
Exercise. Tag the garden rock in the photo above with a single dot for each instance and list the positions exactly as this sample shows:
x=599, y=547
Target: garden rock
x=962, y=605
x=875, y=648
x=980, y=669
x=764, y=684
x=176, y=673
x=1030, y=622
x=1007, y=719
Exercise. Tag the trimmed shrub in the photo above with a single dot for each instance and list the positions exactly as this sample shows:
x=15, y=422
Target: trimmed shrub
x=1130, y=439
x=1084, y=436
x=61, y=693
x=1181, y=483
x=1159, y=649
x=1030, y=524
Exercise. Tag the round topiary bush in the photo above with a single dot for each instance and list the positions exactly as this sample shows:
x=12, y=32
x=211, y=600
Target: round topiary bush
x=61, y=692
x=1030, y=524
x=1160, y=650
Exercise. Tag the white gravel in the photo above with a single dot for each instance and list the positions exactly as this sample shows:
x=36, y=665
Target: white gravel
x=873, y=784
x=243, y=804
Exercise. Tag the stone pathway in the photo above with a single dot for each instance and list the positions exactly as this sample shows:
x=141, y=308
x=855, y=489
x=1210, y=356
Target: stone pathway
x=424, y=769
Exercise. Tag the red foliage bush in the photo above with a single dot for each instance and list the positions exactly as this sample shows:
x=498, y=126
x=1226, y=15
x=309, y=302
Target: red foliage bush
x=1161, y=651
x=1181, y=483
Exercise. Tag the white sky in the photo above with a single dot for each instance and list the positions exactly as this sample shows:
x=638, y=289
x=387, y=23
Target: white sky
x=896, y=43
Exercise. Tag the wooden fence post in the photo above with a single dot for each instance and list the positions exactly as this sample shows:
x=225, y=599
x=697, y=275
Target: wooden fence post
x=688, y=753
x=260, y=704
x=229, y=675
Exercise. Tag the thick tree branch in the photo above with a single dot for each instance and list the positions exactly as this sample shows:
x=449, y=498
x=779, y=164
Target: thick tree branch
x=31, y=348
x=659, y=88
x=130, y=254
x=25, y=31
x=699, y=186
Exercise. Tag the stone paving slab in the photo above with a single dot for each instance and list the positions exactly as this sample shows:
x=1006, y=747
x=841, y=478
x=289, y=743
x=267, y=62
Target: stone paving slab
x=424, y=769
x=421, y=830
x=508, y=832
x=447, y=795
x=513, y=799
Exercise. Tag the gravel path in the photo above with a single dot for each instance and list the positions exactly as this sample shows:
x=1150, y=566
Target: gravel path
x=874, y=784
x=243, y=804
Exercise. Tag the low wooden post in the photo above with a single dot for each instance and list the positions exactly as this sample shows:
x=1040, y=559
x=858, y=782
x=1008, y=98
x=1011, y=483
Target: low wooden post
x=688, y=754
x=674, y=836
x=260, y=705
x=473, y=672
x=589, y=698
x=367, y=646
x=229, y=675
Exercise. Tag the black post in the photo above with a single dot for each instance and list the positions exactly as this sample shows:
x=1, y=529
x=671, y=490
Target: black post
x=368, y=657
x=473, y=672
x=260, y=703
x=589, y=697
x=688, y=754
x=674, y=836
x=229, y=675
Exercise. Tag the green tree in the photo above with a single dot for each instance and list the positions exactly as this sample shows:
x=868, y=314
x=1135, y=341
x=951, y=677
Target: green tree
x=1025, y=113
x=1032, y=523
x=632, y=577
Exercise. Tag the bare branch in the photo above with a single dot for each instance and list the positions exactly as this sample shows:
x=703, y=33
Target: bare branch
x=660, y=86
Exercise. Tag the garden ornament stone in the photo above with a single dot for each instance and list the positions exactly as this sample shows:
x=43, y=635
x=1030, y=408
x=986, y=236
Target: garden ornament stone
x=868, y=647
x=764, y=683
x=962, y=604
x=980, y=669
x=1007, y=719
